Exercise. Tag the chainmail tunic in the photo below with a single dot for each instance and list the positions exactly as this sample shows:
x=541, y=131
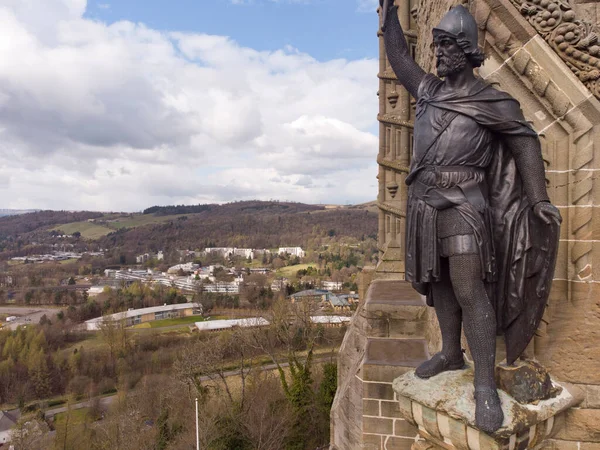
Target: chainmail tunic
x=458, y=141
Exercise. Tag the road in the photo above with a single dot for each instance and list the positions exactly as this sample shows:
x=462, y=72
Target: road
x=27, y=315
x=105, y=402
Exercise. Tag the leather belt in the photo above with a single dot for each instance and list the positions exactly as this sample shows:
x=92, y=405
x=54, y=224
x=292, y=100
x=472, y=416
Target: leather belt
x=442, y=198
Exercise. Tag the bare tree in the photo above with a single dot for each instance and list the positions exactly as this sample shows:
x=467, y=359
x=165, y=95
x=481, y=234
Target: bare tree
x=30, y=433
x=208, y=364
x=268, y=416
x=114, y=334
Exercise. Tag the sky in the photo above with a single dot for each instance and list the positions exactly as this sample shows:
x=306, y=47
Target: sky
x=119, y=105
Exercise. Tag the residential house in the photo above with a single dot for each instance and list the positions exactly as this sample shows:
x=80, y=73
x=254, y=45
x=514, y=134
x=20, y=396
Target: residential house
x=339, y=303
x=8, y=419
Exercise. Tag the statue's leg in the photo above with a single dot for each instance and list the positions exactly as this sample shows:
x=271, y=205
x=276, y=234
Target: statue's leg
x=449, y=316
x=480, y=328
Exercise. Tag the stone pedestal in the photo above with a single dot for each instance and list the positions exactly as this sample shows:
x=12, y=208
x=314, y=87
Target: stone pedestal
x=443, y=409
x=385, y=339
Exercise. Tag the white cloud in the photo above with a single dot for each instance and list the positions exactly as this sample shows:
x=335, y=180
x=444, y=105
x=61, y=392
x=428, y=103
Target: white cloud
x=122, y=117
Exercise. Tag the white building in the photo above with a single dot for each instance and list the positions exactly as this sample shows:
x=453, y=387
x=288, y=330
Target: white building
x=216, y=325
x=228, y=252
x=225, y=252
x=222, y=287
x=292, y=251
x=279, y=284
x=331, y=285
x=141, y=259
x=330, y=320
x=133, y=275
x=187, y=267
x=244, y=252
x=135, y=316
x=94, y=291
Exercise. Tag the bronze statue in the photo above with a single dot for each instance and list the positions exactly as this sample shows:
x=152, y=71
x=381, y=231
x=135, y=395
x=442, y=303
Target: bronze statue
x=481, y=234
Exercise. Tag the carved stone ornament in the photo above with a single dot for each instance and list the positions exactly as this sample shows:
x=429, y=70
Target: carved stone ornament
x=392, y=188
x=574, y=40
x=393, y=98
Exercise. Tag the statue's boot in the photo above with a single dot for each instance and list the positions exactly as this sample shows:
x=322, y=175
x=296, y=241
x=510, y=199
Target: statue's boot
x=488, y=410
x=439, y=363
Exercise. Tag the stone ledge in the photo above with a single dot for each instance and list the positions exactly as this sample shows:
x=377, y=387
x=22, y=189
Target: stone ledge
x=396, y=292
x=396, y=352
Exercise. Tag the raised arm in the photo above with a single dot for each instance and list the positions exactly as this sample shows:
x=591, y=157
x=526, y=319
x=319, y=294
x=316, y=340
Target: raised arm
x=528, y=158
x=406, y=69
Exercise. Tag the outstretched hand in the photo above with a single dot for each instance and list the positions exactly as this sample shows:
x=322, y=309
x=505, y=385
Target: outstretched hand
x=547, y=212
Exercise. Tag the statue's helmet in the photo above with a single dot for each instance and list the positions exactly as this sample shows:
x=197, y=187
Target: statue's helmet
x=459, y=24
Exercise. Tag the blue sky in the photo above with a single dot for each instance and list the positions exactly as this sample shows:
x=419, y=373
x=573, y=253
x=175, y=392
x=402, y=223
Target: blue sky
x=121, y=105
x=325, y=29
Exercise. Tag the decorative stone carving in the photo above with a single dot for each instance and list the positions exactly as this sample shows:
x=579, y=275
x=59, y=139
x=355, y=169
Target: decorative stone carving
x=393, y=98
x=574, y=40
x=442, y=409
x=392, y=188
x=582, y=151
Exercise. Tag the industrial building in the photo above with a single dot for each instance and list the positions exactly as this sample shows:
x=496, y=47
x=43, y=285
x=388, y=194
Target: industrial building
x=136, y=316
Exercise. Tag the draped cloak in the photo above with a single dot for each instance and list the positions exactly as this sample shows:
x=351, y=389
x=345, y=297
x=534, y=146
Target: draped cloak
x=519, y=270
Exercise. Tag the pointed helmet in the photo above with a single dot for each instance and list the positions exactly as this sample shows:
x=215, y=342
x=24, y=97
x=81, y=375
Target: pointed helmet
x=459, y=24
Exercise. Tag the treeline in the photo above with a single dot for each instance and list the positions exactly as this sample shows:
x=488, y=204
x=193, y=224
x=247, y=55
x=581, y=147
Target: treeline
x=233, y=208
x=179, y=209
x=40, y=362
x=13, y=226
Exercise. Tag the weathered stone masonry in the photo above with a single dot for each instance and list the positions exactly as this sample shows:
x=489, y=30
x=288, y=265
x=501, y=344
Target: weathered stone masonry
x=553, y=68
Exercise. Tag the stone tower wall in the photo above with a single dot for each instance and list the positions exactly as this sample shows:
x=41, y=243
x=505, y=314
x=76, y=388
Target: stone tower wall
x=556, y=77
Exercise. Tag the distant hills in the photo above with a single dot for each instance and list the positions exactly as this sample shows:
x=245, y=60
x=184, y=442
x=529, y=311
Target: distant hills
x=16, y=212
x=257, y=224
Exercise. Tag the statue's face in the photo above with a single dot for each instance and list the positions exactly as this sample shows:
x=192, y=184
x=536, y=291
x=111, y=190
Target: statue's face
x=450, y=57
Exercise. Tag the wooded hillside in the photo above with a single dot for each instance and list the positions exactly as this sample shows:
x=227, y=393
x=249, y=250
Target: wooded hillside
x=257, y=224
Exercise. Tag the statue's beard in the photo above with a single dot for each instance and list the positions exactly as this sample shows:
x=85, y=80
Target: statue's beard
x=452, y=65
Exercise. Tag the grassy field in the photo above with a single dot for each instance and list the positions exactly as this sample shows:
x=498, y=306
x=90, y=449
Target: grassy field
x=290, y=271
x=88, y=230
x=76, y=416
x=112, y=222
x=68, y=261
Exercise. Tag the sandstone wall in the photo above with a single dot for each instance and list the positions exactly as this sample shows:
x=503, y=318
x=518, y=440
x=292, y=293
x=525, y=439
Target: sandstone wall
x=556, y=77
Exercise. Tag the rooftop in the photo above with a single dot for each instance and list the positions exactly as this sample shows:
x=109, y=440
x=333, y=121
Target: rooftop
x=138, y=312
x=8, y=419
x=230, y=323
x=310, y=293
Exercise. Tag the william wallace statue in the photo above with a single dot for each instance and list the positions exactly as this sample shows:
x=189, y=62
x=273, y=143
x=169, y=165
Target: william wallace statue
x=481, y=234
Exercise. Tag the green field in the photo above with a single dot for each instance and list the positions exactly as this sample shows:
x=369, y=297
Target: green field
x=174, y=322
x=88, y=230
x=290, y=271
x=76, y=416
x=111, y=222
x=68, y=261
